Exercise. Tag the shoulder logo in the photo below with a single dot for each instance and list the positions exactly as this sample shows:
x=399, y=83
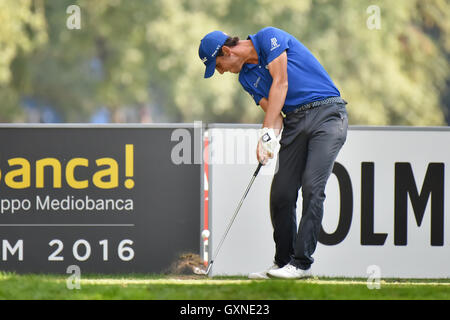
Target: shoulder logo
x=274, y=44
x=204, y=59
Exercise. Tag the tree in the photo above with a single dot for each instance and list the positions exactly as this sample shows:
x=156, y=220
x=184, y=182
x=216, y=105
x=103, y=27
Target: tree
x=23, y=29
x=145, y=53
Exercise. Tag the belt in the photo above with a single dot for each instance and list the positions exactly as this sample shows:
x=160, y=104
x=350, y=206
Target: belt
x=311, y=105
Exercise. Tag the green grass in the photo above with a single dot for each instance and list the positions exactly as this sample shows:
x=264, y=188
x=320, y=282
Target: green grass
x=13, y=286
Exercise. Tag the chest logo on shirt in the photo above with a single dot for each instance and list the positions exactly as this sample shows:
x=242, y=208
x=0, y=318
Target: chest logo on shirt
x=274, y=44
x=257, y=82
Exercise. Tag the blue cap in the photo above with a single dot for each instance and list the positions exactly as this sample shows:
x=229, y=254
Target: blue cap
x=209, y=47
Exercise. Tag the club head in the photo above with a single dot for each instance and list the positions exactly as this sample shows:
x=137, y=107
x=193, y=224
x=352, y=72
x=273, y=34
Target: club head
x=200, y=271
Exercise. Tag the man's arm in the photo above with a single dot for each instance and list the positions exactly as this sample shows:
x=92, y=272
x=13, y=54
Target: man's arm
x=272, y=106
x=277, y=93
x=278, y=122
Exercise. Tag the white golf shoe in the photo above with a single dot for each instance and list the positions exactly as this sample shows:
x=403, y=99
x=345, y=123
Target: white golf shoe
x=262, y=274
x=289, y=271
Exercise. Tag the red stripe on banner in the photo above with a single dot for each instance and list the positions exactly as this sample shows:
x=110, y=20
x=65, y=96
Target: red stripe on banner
x=205, y=201
x=206, y=184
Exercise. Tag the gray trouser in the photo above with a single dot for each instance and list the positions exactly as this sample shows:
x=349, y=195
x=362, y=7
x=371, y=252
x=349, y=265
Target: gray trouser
x=310, y=143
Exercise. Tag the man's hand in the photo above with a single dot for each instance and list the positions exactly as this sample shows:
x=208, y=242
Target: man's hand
x=267, y=145
x=262, y=157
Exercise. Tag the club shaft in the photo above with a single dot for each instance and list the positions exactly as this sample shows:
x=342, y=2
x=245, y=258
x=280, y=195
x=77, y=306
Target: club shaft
x=234, y=217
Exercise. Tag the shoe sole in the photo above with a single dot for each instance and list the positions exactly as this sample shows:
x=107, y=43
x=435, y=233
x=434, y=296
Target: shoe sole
x=297, y=278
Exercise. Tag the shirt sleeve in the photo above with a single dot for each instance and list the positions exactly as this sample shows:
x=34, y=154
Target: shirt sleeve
x=273, y=42
x=256, y=97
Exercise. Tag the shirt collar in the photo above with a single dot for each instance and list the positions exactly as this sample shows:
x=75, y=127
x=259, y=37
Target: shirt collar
x=249, y=66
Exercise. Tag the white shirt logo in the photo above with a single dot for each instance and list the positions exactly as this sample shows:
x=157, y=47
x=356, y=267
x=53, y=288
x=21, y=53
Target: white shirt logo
x=274, y=44
x=204, y=59
x=257, y=82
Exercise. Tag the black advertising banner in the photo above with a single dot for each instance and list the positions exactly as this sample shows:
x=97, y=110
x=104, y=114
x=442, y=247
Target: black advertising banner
x=106, y=199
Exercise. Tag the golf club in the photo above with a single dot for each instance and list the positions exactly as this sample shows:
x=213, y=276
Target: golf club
x=201, y=271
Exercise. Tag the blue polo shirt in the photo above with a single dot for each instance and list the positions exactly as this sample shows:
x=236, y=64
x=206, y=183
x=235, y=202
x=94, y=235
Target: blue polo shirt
x=307, y=79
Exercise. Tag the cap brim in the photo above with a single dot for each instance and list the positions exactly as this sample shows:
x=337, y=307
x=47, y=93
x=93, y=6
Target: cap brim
x=210, y=68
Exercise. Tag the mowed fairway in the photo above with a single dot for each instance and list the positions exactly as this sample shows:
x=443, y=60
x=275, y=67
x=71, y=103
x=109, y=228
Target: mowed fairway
x=161, y=287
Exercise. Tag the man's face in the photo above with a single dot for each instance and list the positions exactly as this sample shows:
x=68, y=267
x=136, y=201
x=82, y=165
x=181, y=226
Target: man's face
x=228, y=63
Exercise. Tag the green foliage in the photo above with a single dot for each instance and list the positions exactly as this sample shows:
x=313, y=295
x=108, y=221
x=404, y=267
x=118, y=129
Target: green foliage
x=22, y=29
x=144, y=53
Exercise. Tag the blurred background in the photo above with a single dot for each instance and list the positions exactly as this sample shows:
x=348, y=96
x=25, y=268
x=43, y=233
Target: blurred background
x=137, y=61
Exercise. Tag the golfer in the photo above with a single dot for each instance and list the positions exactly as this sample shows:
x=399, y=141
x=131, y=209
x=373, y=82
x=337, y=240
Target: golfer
x=304, y=116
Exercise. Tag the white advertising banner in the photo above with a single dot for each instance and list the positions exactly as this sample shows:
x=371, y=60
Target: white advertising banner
x=385, y=209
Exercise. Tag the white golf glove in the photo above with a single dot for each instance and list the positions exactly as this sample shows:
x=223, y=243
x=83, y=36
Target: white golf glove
x=269, y=141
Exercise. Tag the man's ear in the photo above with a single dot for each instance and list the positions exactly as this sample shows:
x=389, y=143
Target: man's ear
x=226, y=51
